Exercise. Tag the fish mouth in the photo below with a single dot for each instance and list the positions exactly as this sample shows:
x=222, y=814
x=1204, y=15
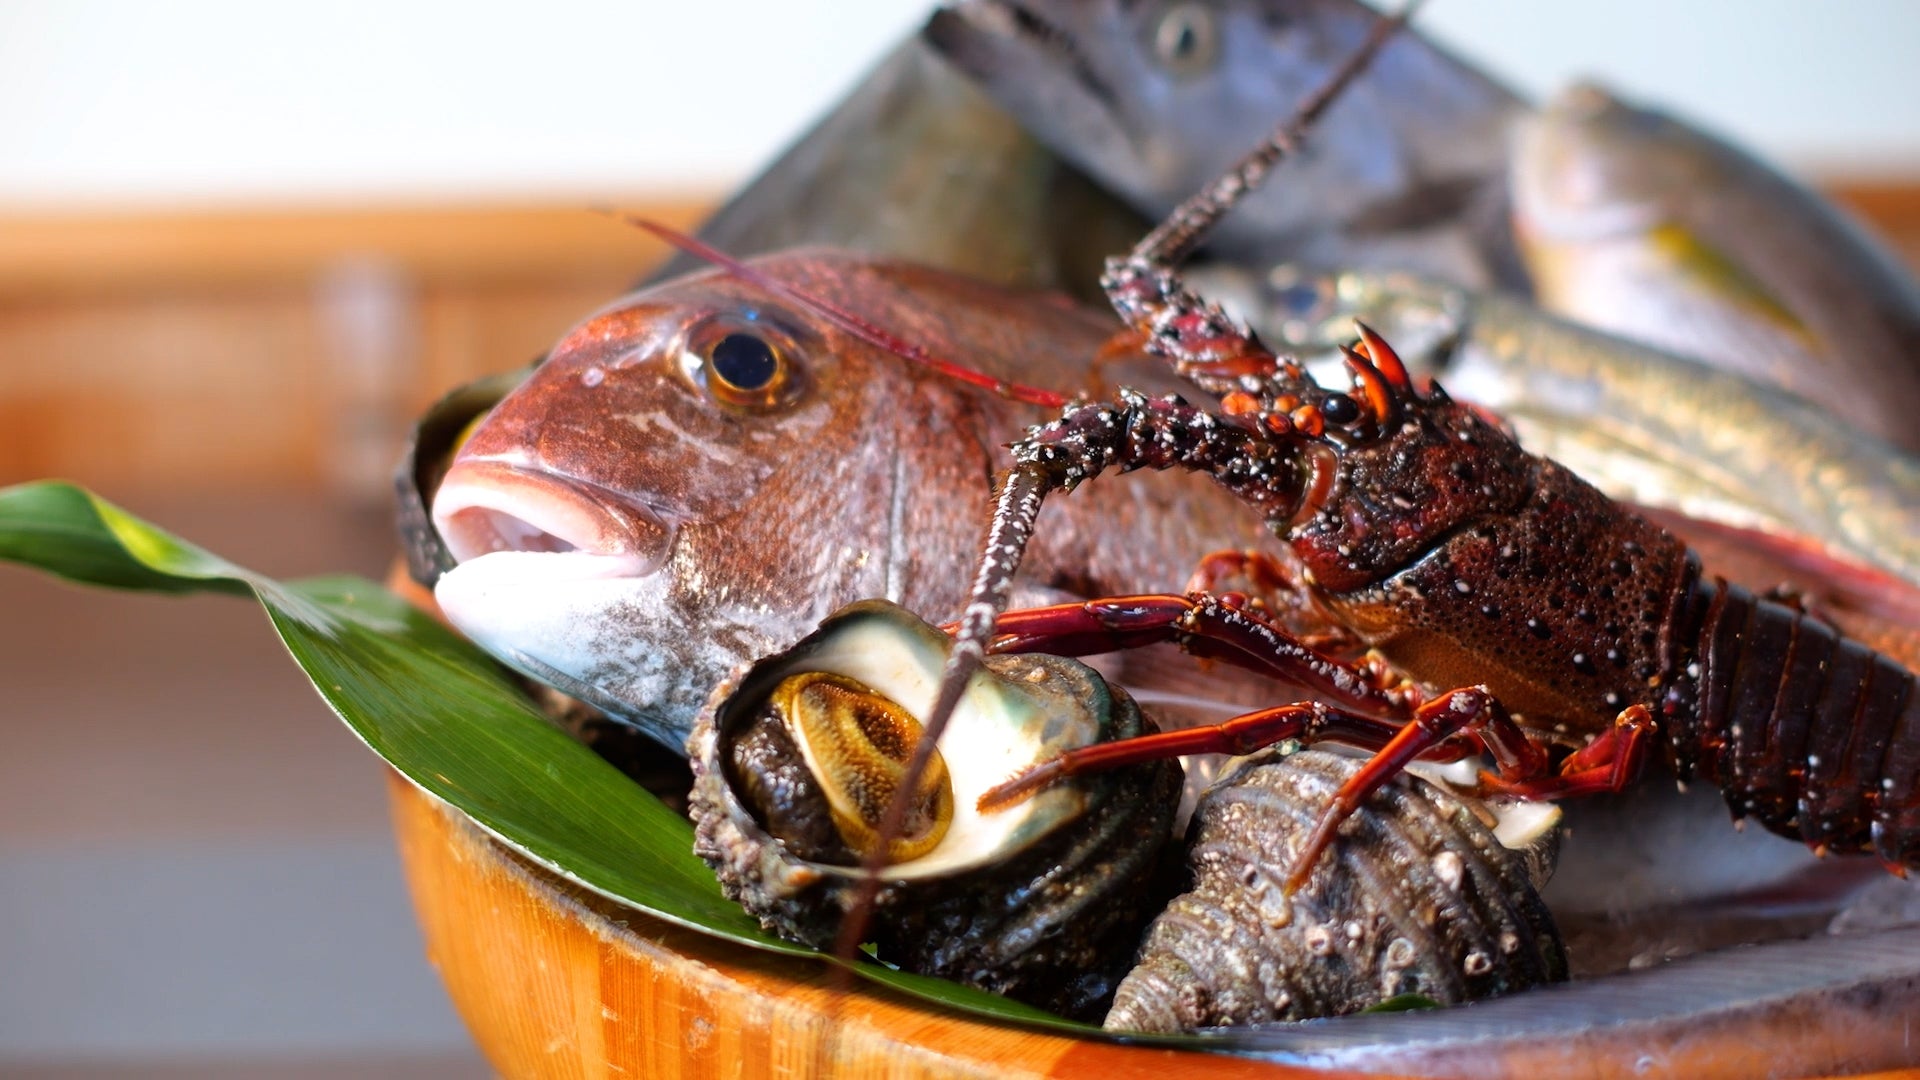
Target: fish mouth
x=950, y=29
x=485, y=507
x=1040, y=72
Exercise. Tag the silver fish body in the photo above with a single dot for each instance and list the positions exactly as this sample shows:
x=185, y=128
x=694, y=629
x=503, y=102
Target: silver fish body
x=1154, y=99
x=1636, y=222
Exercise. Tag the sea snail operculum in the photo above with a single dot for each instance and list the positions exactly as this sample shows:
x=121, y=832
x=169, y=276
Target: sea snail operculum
x=794, y=762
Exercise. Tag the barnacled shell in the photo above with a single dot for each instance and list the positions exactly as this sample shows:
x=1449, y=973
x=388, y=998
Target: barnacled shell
x=1042, y=901
x=1416, y=896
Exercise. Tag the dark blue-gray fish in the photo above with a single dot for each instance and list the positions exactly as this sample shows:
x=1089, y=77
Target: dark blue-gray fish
x=1155, y=99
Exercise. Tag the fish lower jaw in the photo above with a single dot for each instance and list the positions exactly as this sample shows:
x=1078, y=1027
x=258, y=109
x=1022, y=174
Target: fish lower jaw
x=515, y=569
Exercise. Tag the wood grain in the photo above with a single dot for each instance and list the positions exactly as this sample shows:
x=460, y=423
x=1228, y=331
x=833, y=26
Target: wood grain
x=556, y=982
x=93, y=253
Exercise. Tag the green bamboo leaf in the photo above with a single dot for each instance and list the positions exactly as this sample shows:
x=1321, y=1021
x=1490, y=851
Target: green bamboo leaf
x=438, y=711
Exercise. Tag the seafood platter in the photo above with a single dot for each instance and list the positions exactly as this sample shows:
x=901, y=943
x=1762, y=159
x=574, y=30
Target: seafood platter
x=1203, y=535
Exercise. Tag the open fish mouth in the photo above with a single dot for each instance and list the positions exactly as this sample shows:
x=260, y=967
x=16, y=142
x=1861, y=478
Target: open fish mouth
x=564, y=581
x=485, y=507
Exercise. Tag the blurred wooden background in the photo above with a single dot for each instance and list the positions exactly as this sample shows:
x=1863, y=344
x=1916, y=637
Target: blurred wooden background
x=203, y=352
x=206, y=352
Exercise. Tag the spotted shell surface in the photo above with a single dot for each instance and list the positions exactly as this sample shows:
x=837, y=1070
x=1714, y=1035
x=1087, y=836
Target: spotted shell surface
x=1415, y=897
x=1051, y=920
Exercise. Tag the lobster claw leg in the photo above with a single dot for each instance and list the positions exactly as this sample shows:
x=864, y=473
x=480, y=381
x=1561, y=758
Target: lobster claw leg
x=1471, y=709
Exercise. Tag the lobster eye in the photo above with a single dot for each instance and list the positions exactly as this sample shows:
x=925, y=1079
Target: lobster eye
x=1340, y=409
x=744, y=363
x=1185, y=41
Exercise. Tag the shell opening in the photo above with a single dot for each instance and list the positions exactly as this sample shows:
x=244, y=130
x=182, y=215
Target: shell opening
x=1004, y=723
x=857, y=744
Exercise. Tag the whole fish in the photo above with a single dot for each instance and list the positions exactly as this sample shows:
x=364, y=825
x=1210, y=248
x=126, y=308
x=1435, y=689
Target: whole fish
x=1153, y=99
x=917, y=163
x=703, y=471
x=1649, y=427
x=1637, y=222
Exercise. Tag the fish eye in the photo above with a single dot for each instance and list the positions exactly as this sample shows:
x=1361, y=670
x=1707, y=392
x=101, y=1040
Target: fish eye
x=1185, y=40
x=746, y=364
x=743, y=363
x=1300, y=299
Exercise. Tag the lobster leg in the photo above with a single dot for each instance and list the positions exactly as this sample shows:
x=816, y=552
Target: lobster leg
x=1611, y=762
x=1308, y=721
x=1266, y=576
x=1433, y=732
x=1274, y=586
x=1520, y=757
x=1212, y=627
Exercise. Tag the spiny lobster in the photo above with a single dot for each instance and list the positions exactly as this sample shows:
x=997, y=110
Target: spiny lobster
x=1422, y=532
x=1426, y=549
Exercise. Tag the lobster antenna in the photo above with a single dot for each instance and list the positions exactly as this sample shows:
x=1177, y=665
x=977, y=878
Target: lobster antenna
x=1025, y=486
x=846, y=320
x=1174, y=239
x=1016, y=506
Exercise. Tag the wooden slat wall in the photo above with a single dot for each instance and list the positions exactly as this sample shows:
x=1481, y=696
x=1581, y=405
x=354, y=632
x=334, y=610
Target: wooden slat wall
x=211, y=351
x=205, y=352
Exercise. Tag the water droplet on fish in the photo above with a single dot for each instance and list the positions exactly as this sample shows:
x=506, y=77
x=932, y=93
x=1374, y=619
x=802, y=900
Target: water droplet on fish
x=593, y=376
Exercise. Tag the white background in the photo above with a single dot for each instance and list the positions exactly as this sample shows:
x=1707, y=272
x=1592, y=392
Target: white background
x=212, y=101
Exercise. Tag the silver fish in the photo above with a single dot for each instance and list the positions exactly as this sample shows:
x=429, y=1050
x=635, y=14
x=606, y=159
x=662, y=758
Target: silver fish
x=1636, y=222
x=1154, y=99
